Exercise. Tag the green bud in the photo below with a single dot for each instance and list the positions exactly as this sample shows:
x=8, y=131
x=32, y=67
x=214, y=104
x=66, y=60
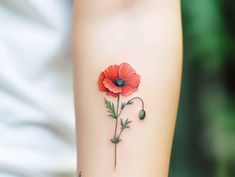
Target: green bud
x=142, y=114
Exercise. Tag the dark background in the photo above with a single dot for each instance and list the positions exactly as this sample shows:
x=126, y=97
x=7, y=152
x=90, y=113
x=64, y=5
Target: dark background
x=204, y=144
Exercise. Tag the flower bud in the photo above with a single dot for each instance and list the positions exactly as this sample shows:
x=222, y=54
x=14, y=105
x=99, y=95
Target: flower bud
x=142, y=114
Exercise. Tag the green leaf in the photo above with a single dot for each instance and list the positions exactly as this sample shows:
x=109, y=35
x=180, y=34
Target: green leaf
x=129, y=102
x=125, y=124
x=116, y=140
x=110, y=107
x=123, y=105
x=122, y=124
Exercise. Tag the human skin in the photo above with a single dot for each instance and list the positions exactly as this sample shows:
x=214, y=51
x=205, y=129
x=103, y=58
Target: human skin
x=147, y=35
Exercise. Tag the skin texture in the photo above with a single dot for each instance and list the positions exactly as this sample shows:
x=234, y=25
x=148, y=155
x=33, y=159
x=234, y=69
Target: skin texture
x=147, y=35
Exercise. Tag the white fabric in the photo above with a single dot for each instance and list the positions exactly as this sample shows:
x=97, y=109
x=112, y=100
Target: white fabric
x=37, y=124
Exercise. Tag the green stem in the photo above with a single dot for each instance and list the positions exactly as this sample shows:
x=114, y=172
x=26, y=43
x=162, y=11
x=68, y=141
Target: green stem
x=116, y=124
x=120, y=132
x=115, y=133
x=142, y=104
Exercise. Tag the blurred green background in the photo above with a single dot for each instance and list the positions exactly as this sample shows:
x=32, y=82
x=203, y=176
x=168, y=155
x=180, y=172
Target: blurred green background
x=204, y=144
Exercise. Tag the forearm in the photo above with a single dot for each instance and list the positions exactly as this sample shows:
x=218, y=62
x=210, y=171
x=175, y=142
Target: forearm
x=147, y=35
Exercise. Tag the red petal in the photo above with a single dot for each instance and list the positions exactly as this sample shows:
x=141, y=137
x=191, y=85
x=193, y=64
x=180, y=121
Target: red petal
x=133, y=81
x=112, y=72
x=125, y=71
x=100, y=82
x=111, y=87
x=127, y=90
x=112, y=94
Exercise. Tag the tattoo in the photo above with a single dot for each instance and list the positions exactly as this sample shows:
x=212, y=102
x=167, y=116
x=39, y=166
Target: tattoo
x=80, y=174
x=116, y=81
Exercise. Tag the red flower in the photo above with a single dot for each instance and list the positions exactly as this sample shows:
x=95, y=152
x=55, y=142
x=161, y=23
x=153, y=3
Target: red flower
x=119, y=79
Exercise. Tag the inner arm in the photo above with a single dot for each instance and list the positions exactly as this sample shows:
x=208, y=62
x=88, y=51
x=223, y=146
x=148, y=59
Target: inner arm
x=127, y=72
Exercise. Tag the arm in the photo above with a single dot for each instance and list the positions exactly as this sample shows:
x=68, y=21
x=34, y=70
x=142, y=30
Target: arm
x=143, y=39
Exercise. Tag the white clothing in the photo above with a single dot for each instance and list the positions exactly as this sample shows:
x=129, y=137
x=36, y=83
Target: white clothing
x=37, y=124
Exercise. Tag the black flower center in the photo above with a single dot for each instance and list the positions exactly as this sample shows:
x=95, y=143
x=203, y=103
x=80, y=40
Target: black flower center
x=119, y=82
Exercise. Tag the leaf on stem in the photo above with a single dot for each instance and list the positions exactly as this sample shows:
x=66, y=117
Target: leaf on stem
x=123, y=105
x=116, y=140
x=125, y=124
x=130, y=102
x=110, y=107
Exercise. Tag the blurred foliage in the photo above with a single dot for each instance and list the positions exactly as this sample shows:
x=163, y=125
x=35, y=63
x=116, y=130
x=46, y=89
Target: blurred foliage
x=204, y=144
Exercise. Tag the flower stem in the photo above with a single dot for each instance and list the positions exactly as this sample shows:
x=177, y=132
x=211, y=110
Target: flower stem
x=120, y=133
x=115, y=133
x=138, y=98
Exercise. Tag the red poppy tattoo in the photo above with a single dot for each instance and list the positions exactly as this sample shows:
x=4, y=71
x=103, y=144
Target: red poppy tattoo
x=116, y=81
